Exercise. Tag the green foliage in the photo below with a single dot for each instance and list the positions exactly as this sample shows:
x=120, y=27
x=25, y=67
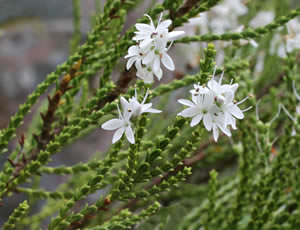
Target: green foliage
x=18, y=213
x=174, y=176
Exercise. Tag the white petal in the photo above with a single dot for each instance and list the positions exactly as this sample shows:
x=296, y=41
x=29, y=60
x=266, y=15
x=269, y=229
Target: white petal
x=208, y=100
x=225, y=130
x=149, y=58
x=234, y=87
x=196, y=120
x=167, y=61
x=152, y=111
x=130, y=135
x=163, y=26
x=146, y=42
x=186, y=102
x=124, y=103
x=130, y=62
x=159, y=74
x=141, y=74
x=139, y=67
x=113, y=124
x=215, y=133
x=196, y=99
x=174, y=35
x=210, y=84
x=233, y=123
x=291, y=44
x=133, y=50
x=156, y=64
x=253, y=43
x=127, y=115
x=146, y=106
x=235, y=111
x=145, y=28
x=140, y=36
x=189, y=112
x=118, y=134
x=207, y=120
x=148, y=78
x=229, y=97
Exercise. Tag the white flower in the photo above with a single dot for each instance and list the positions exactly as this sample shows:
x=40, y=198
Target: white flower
x=156, y=54
x=218, y=123
x=151, y=49
x=262, y=18
x=292, y=40
x=277, y=46
x=200, y=107
x=122, y=125
x=200, y=21
x=231, y=110
x=199, y=89
x=214, y=104
x=293, y=43
x=218, y=90
x=135, y=55
x=149, y=33
x=146, y=73
x=236, y=7
x=139, y=108
x=131, y=108
x=225, y=15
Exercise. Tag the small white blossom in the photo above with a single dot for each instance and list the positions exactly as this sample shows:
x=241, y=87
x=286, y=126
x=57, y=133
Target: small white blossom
x=262, y=18
x=225, y=15
x=147, y=73
x=131, y=108
x=291, y=40
x=121, y=125
x=214, y=105
x=231, y=111
x=218, y=123
x=135, y=55
x=138, y=108
x=151, y=49
x=148, y=34
x=218, y=90
x=201, y=107
x=199, y=89
x=155, y=55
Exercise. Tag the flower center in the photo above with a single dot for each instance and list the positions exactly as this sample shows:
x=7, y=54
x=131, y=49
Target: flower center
x=153, y=35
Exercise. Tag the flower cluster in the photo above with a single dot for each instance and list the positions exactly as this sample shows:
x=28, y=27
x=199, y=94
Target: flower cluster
x=222, y=18
x=291, y=40
x=214, y=104
x=151, y=49
x=131, y=108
